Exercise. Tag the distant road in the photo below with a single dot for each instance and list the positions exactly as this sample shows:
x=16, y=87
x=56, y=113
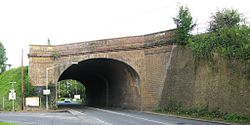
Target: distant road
x=94, y=116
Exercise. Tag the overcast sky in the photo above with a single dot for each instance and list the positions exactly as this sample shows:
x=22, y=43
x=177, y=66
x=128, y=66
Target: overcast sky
x=25, y=22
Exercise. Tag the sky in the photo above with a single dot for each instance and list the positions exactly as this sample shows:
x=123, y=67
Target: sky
x=32, y=22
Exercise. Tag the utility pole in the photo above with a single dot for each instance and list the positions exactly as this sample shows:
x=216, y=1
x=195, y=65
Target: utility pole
x=22, y=83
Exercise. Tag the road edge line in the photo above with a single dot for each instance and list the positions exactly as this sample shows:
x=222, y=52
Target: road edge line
x=190, y=118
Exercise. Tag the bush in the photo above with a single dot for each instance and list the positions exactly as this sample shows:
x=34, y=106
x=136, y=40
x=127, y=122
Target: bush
x=202, y=112
x=230, y=42
x=232, y=117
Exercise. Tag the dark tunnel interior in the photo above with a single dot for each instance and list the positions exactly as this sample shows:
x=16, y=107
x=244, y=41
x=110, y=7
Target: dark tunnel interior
x=108, y=82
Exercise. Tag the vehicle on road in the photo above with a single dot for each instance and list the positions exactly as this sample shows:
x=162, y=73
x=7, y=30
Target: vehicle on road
x=66, y=100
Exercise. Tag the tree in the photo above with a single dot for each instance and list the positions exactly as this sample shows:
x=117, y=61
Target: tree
x=226, y=18
x=227, y=37
x=3, y=58
x=185, y=24
x=71, y=88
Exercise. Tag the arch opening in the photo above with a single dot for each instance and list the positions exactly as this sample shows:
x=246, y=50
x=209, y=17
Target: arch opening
x=108, y=82
x=70, y=93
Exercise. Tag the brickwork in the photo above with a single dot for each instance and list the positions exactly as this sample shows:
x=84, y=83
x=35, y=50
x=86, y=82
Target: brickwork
x=146, y=54
x=156, y=67
x=218, y=83
x=166, y=73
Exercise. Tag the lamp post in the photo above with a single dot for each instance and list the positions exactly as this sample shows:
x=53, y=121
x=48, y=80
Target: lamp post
x=47, y=82
x=47, y=100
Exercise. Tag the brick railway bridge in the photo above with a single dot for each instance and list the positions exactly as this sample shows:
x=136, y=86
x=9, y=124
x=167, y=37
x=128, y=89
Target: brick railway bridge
x=127, y=72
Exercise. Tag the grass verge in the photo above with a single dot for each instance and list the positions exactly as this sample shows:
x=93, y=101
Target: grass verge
x=206, y=114
x=5, y=123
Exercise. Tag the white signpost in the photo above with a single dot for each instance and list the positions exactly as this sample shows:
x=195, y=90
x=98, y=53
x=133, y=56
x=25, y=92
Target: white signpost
x=12, y=96
x=46, y=92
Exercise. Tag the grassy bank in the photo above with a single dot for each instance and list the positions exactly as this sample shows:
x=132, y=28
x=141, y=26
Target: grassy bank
x=13, y=75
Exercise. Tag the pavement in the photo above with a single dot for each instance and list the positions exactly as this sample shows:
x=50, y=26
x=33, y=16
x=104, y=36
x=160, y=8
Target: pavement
x=95, y=116
x=40, y=118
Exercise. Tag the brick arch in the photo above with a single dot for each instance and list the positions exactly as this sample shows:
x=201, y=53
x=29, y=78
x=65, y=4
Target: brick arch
x=108, y=82
x=67, y=62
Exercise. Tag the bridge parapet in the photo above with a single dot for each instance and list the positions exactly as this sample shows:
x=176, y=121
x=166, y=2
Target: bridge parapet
x=41, y=50
x=105, y=45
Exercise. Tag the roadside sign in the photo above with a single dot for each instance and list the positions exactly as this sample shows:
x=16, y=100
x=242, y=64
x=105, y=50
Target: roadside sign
x=46, y=92
x=32, y=101
x=77, y=96
x=12, y=96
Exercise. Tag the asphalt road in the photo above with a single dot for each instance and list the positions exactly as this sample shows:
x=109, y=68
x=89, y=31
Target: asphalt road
x=94, y=116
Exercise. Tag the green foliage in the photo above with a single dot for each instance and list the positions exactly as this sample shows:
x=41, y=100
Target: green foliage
x=55, y=54
x=231, y=42
x=202, y=112
x=14, y=75
x=226, y=37
x=5, y=123
x=201, y=45
x=29, y=90
x=226, y=18
x=71, y=88
x=185, y=24
x=3, y=58
x=232, y=117
x=177, y=108
x=234, y=42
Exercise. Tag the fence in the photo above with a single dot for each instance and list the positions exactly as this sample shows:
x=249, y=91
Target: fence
x=7, y=105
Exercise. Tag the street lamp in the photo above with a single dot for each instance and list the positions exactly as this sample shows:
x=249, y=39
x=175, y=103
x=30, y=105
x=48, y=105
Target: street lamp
x=47, y=91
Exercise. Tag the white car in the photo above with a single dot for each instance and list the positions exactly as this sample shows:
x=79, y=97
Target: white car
x=67, y=100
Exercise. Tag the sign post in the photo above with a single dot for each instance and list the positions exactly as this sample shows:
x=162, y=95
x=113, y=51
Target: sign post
x=12, y=96
x=46, y=92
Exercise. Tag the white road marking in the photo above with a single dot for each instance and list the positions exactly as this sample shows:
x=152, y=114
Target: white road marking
x=131, y=116
x=74, y=112
x=104, y=122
